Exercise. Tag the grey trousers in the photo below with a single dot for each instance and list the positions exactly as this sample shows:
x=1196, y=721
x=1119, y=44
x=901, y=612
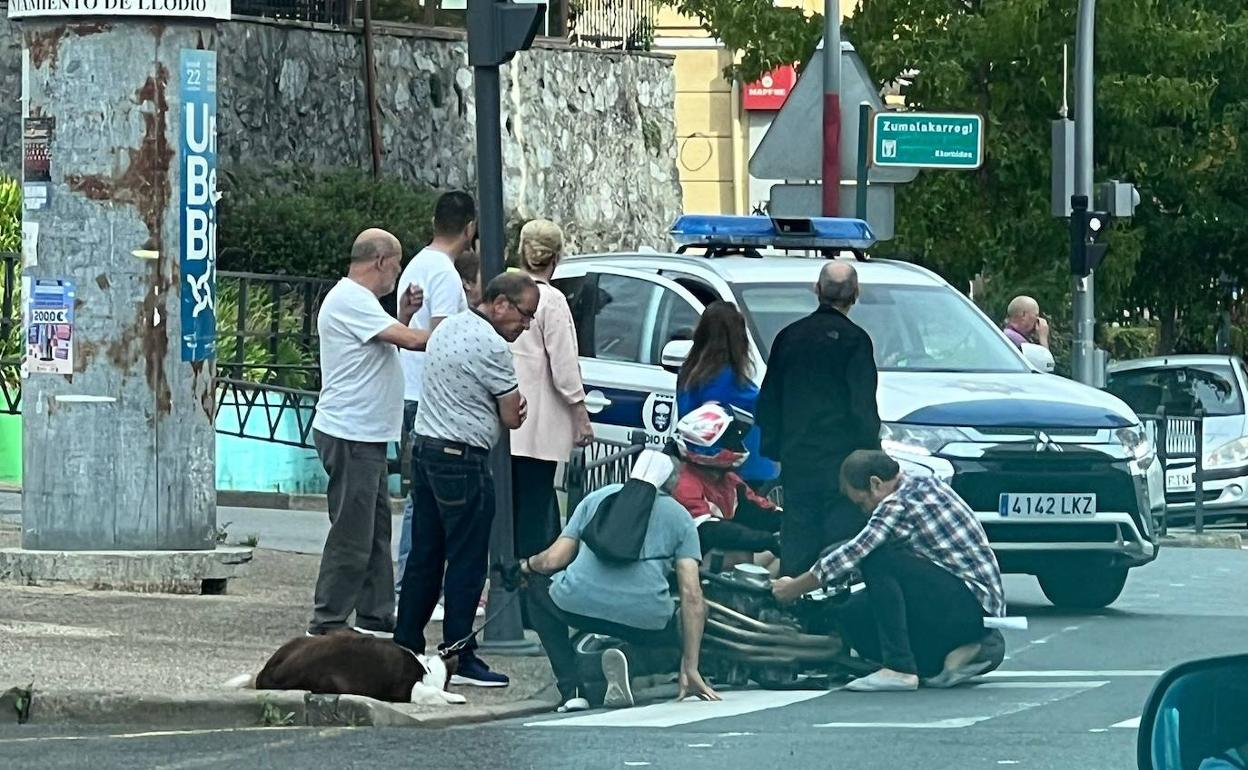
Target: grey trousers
x=357, y=574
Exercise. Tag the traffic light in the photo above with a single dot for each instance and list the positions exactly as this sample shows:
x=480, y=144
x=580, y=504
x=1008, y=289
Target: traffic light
x=499, y=28
x=1087, y=230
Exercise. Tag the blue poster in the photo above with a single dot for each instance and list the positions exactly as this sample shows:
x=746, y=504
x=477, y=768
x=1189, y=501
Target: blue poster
x=197, y=154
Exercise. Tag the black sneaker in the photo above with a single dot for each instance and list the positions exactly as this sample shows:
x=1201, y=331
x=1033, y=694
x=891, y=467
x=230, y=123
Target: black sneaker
x=474, y=673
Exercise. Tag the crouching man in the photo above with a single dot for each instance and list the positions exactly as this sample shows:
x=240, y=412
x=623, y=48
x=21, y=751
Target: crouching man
x=608, y=573
x=930, y=576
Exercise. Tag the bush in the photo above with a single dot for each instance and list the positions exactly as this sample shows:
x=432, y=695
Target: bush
x=289, y=223
x=1127, y=342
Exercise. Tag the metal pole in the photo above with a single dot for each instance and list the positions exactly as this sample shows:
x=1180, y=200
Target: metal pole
x=370, y=91
x=831, y=179
x=864, y=147
x=1084, y=295
x=506, y=633
x=1163, y=457
x=1198, y=475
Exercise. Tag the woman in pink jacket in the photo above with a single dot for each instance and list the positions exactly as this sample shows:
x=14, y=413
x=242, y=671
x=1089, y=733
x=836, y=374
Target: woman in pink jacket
x=549, y=373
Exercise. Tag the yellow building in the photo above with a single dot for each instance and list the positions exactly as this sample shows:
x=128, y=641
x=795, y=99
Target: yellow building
x=715, y=135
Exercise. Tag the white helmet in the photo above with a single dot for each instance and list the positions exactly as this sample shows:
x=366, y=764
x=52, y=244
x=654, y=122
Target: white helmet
x=713, y=435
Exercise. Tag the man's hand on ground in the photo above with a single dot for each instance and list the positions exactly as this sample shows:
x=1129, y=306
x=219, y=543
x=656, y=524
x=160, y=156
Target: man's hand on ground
x=692, y=684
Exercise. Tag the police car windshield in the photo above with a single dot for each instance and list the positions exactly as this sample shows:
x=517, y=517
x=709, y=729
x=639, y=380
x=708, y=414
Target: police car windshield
x=913, y=328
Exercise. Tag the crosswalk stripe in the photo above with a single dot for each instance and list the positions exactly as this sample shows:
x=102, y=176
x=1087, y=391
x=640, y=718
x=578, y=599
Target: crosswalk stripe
x=670, y=714
x=1084, y=684
x=937, y=724
x=1070, y=674
x=1128, y=724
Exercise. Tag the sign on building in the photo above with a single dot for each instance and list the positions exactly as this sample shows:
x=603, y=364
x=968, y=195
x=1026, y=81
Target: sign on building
x=178, y=9
x=771, y=90
x=927, y=140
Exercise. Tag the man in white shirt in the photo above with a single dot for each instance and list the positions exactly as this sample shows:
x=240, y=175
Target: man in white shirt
x=433, y=269
x=359, y=413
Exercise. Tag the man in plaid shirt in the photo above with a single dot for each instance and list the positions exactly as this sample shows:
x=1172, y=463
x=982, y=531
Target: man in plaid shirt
x=930, y=576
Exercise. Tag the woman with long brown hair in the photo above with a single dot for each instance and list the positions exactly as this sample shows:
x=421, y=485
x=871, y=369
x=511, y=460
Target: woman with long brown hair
x=719, y=369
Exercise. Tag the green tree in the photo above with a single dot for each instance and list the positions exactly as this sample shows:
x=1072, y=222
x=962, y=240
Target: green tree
x=1171, y=116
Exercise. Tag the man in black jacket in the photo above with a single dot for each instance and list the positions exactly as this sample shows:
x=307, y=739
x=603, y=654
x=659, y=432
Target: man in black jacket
x=817, y=405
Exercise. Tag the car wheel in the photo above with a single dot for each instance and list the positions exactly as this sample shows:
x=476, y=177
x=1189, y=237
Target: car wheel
x=1083, y=588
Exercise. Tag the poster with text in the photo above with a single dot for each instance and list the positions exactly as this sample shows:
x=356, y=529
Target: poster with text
x=48, y=318
x=197, y=155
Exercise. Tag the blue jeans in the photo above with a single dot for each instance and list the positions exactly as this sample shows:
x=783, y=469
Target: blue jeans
x=453, y=507
x=405, y=534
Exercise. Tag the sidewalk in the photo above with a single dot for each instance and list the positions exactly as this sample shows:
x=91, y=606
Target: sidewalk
x=155, y=659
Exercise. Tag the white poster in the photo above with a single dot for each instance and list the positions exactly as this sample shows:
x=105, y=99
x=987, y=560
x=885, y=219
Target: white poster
x=30, y=244
x=48, y=321
x=168, y=9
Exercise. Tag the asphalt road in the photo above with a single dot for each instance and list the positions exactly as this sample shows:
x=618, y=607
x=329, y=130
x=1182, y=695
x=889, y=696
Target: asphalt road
x=1065, y=698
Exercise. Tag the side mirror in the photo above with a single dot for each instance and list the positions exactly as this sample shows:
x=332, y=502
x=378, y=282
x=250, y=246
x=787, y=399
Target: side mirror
x=674, y=354
x=1039, y=357
x=1197, y=717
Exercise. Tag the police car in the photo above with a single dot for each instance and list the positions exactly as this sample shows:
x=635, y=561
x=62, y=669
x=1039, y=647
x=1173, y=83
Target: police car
x=1061, y=475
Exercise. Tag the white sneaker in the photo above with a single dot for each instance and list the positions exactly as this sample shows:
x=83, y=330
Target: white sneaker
x=619, y=688
x=572, y=705
x=481, y=608
x=439, y=613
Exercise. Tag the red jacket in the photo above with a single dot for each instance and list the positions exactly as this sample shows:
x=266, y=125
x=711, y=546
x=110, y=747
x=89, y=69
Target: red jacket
x=698, y=489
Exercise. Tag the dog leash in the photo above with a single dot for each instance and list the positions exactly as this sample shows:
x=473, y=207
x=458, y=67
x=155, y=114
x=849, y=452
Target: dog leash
x=462, y=644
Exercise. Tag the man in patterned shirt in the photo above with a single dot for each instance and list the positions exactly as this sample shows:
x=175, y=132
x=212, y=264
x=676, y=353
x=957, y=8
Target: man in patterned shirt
x=930, y=575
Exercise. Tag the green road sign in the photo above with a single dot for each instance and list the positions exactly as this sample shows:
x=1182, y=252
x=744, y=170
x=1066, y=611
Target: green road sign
x=927, y=140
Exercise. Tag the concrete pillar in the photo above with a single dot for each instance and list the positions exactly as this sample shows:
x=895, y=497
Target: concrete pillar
x=119, y=455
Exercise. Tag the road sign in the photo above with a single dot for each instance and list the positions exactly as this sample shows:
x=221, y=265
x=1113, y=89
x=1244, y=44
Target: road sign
x=927, y=140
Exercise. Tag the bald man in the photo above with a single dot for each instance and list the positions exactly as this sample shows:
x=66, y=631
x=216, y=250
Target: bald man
x=359, y=413
x=817, y=406
x=1024, y=323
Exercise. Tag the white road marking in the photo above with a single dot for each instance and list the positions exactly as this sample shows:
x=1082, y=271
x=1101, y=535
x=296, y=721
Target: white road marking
x=700, y=745
x=938, y=724
x=1128, y=724
x=670, y=714
x=1070, y=674
x=151, y=734
x=1076, y=685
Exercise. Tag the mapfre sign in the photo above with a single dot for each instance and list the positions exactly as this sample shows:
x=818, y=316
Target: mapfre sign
x=771, y=90
x=179, y=9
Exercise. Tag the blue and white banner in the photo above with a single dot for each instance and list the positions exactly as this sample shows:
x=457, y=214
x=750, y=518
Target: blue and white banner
x=197, y=154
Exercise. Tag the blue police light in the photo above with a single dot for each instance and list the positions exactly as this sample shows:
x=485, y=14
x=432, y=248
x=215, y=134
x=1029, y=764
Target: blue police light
x=778, y=232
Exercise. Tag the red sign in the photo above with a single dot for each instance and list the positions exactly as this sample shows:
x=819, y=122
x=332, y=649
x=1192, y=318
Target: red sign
x=769, y=92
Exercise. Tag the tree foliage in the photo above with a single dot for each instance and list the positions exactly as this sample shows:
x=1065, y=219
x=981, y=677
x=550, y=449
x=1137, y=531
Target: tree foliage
x=1171, y=115
x=763, y=35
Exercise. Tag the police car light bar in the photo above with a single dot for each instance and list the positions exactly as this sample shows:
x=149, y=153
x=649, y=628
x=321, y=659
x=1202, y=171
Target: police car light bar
x=779, y=232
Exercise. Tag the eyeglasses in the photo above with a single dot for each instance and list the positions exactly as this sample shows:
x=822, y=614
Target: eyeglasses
x=529, y=315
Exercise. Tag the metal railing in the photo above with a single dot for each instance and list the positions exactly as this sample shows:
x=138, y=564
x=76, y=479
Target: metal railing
x=266, y=329
x=337, y=12
x=601, y=463
x=10, y=333
x=626, y=25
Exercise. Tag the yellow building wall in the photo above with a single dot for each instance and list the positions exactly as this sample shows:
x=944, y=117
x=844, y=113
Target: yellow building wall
x=711, y=127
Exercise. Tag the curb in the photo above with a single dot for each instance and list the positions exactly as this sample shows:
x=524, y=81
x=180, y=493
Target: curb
x=282, y=501
x=1230, y=540
x=247, y=708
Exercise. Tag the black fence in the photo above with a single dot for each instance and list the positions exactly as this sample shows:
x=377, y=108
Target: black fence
x=337, y=12
x=10, y=332
x=601, y=463
x=1180, y=446
x=626, y=25
x=266, y=329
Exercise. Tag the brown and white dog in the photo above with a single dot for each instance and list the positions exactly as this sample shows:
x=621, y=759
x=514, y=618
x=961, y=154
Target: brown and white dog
x=347, y=663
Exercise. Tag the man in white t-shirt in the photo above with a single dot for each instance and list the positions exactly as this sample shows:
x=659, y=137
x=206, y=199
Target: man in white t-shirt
x=359, y=413
x=433, y=270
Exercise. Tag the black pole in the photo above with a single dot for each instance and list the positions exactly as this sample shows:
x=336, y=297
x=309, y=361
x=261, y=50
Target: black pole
x=1198, y=475
x=864, y=145
x=506, y=632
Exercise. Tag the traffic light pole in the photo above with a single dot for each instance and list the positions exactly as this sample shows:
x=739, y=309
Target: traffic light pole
x=831, y=179
x=496, y=30
x=1083, y=349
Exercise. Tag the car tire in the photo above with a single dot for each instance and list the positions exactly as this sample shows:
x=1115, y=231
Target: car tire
x=1083, y=588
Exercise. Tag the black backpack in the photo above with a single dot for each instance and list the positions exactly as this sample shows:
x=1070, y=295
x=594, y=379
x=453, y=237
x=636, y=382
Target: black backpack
x=618, y=529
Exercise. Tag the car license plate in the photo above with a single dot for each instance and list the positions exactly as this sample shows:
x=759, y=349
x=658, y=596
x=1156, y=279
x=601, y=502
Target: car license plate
x=1184, y=477
x=1048, y=506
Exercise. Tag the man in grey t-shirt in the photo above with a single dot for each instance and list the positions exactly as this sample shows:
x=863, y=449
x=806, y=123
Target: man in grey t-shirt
x=572, y=587
x=469, y=394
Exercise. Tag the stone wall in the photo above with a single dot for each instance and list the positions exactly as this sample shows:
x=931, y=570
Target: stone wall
x=589, y=136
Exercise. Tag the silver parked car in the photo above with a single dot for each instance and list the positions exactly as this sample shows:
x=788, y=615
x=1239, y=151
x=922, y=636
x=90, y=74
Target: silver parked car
x=1179, y=384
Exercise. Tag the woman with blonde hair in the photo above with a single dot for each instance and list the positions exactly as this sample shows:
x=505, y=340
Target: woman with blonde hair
x=549, y=372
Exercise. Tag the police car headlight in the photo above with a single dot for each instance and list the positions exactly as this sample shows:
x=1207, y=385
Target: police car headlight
x=1135, y=441
x=920, y=440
